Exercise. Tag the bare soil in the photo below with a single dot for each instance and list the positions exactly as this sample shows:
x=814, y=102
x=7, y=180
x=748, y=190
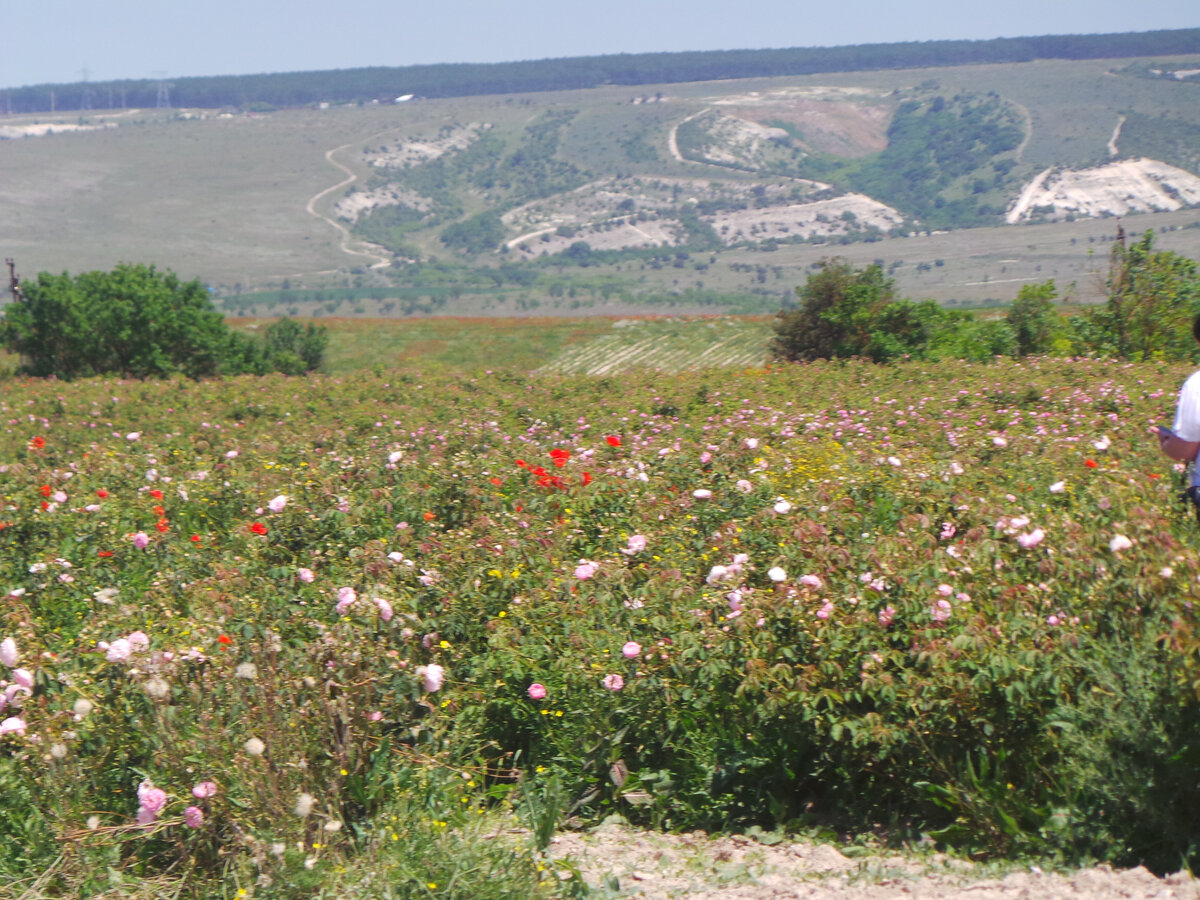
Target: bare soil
x=617, y=861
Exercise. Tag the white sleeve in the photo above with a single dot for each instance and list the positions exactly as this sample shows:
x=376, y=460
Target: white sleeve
x=1187, y=414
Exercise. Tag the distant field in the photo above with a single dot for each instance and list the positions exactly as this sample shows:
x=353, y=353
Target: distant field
x=227, y=199
x=593, y=345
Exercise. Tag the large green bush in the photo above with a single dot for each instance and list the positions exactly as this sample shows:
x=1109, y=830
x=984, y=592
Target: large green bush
x=138, y=322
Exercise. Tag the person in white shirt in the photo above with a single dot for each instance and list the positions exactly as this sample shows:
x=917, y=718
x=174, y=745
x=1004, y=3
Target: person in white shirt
x=1181, y=442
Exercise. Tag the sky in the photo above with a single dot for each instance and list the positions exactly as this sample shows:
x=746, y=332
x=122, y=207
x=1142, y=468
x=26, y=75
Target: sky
x=64, y=41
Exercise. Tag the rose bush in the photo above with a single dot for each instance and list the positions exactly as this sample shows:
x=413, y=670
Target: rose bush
x=958, y=599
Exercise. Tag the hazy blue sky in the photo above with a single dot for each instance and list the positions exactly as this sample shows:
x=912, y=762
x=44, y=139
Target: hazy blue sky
x=55, y=40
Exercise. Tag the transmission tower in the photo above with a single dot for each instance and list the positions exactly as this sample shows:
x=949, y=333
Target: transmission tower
x=164, y=91
x=85, y=94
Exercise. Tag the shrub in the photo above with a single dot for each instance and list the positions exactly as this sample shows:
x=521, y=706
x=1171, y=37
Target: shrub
x=140, y=323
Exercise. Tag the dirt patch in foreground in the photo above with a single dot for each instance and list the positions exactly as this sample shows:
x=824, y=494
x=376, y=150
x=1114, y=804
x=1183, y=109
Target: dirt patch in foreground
x=624, y=862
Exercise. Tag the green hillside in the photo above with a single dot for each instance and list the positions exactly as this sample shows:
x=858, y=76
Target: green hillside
x=690, y=197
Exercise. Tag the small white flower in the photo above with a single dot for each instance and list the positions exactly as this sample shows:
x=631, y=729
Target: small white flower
x=1058, y=487
x=304, y=805
x=702, y=494
x=246, y=670
x=777, y=574
x=1103, y=444
x=157, y=688
x=782, y=506
x=254, y=747
x=1119, y=543
x=106, y=595
x=277, y=504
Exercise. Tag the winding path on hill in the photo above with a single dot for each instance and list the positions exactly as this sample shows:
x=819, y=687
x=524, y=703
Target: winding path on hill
x=380, y=260
x=673, y=139
x=1020, y=154
x=1112, y=141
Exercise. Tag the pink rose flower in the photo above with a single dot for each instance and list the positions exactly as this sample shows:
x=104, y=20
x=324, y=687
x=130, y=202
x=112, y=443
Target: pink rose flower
x=193, y=817
x=385, y=609
x=150, y=798
x=204, y=790
x=631, y=649
x=637, y=543
x=1032, y=539
x=118, y=651
x=432, y=677
x=346, y=598
x=613, y=682
x=536, y=691
x=8, y=652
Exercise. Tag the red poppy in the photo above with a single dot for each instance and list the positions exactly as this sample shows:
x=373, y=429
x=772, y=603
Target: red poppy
x=156, y=494
x=45, y=505
x=258, y=528
x=587, y=478
x=613, y=440
x=38, y=442
x=159, y=511
x=45, y=490
x=429, y=517
x=224, y=639
x=196, y=538
x=102, y=494
x=1090, y=463
x=164, y=525
x=495, y=480
x=104, y=553
x=522, y=463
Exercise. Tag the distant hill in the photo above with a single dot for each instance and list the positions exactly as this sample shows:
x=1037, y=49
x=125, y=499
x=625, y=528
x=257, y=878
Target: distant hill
x=963, y=181
x=363, y=85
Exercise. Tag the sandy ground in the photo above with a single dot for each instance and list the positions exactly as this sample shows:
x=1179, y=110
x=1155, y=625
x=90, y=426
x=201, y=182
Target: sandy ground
x=1115, y=189
x=623, y=862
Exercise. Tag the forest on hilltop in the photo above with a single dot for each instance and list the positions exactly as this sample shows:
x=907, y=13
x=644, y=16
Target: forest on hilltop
x=382, y=83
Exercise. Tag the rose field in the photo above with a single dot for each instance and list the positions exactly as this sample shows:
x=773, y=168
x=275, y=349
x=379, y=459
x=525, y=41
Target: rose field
x=380, y=635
